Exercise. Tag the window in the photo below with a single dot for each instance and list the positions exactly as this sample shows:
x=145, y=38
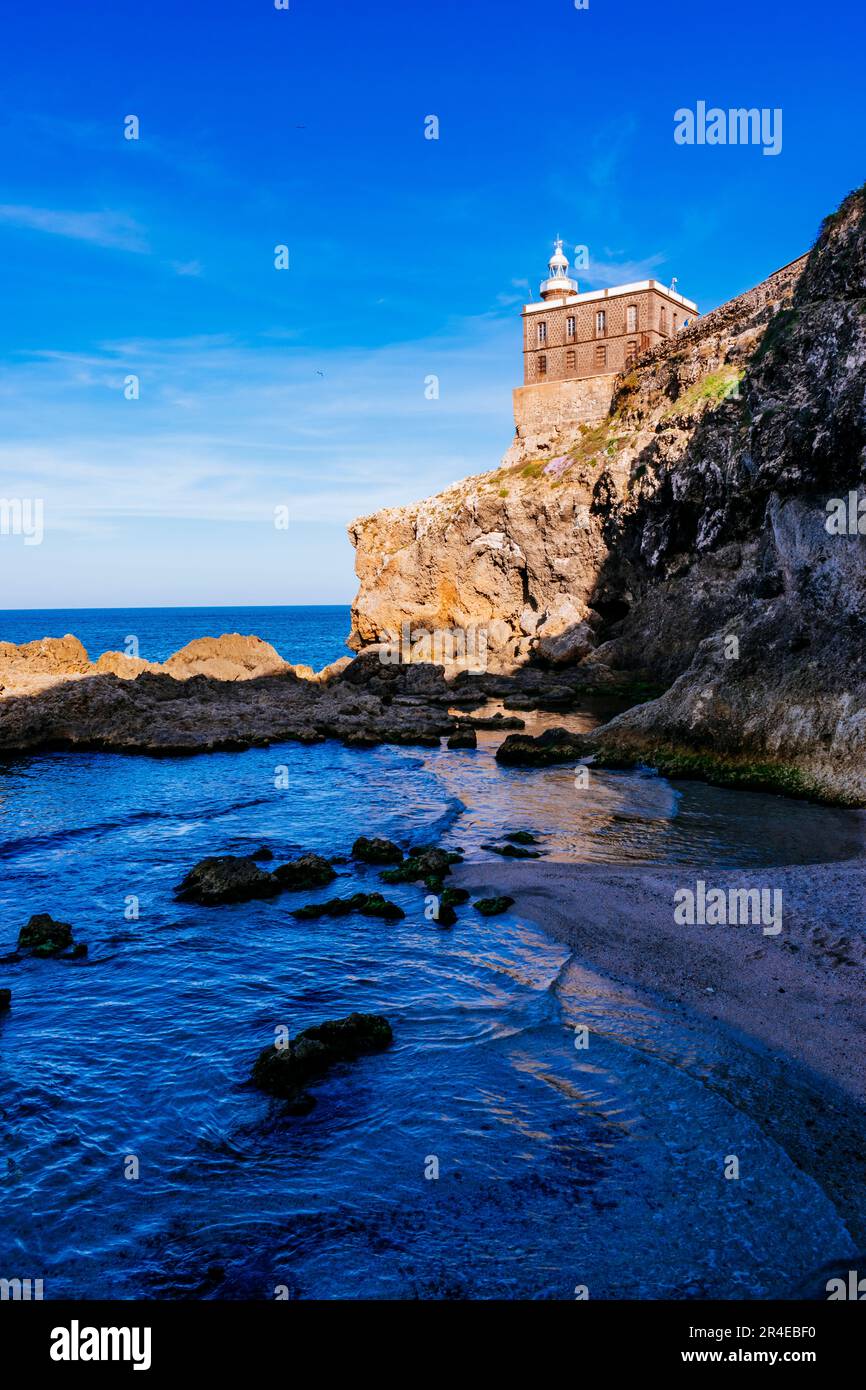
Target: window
x=630, y=353
x=569, y=360
x=600, y=323
x=542, y=334
x=675, y=323
x=570, y=326
x=663, y=320
x=631, y=319
x=600, y=355
x=542, y=365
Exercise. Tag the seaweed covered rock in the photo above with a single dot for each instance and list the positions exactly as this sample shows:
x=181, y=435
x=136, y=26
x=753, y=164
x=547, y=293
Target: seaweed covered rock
x=367, y=904
x=42, y=936
x=491, y=907
x=308, y=871
x=286, y=1071
x=424, y=863
x=553, y=746
x=226, y=879
x=376, y=851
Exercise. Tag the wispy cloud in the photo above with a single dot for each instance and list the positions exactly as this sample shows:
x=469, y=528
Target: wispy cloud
x=108, y=229
x=224, y=430
x=600, y=274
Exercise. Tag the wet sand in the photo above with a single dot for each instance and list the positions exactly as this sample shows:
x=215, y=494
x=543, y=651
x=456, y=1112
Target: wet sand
x=793, y=1003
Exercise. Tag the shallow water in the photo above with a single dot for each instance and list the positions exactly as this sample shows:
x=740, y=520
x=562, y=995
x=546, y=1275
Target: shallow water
x=557, y=1167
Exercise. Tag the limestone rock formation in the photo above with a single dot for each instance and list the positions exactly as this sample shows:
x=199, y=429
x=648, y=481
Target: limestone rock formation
x=685, y=540
x=227, y=658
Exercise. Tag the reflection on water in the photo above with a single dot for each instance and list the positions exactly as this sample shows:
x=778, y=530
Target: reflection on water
x=637, y=817
x=556, y=1166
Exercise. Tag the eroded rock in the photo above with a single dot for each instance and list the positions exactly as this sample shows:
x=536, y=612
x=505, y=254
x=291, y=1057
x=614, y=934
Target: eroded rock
x=286, y=1072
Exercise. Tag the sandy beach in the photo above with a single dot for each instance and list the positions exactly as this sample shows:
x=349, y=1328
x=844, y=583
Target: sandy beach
x=792, y=1004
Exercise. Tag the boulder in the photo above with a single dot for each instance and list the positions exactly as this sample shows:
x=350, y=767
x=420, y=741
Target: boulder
x=491, y=907
x=119, y=664
x=446, y=916
x=553, y=746
x=308, y=871
x=463, y=738
x=42, y=936
x=231, y=657
x=377, y=851
x=226, y=879
x=286, y=1071
x=50, y=656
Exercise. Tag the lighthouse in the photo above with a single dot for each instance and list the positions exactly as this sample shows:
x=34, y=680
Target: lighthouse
x=558, y=283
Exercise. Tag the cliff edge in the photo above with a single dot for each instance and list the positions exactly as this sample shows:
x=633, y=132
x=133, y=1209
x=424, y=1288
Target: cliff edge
x=708, y=536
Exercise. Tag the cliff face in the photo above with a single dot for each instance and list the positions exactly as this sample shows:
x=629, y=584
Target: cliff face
x=683, y=538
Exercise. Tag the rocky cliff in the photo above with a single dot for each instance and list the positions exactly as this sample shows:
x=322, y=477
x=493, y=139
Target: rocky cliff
x=704, y=536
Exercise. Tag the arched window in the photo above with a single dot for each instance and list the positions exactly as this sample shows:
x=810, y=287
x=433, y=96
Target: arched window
x=663, y=320
x=600, y=323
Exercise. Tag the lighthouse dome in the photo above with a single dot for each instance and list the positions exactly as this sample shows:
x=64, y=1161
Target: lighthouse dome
x=559, y=282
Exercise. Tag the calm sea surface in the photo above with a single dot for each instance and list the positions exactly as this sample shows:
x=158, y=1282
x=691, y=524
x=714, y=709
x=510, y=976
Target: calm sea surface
x=315, y=635
x=556, y=1167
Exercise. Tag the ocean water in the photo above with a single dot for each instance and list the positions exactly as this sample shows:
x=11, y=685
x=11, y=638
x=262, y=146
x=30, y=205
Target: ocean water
x=310, y=634
x=557, y=1167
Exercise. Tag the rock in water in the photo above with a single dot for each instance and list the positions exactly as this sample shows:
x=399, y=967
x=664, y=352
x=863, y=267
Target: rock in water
x=308, y=871
x=44, y=937
x=513, y=851
x=463, y=738
x=377, y=851
x=491, y=907
x=446, y=916
x=453, y=897
x=368, y=904
x=5, y=1000
x=553, y=746
x=226, y=879
x=521, y=837
x=284, y=1072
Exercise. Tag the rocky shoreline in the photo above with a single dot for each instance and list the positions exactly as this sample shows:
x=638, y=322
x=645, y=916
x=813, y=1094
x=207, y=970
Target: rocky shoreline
x=676, y=560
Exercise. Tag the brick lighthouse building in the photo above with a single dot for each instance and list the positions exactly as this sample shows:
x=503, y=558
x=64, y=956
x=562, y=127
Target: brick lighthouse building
x=575, y=345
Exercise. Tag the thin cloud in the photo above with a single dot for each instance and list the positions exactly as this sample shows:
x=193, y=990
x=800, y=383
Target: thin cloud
x=108, y=229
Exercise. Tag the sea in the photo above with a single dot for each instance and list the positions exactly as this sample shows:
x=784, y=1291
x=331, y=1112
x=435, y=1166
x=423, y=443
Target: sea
x=485, y=1154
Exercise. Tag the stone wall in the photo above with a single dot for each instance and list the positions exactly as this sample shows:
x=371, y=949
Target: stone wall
x=547, y=409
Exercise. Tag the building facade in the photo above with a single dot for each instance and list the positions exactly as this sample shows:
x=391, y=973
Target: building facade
x=568, y=335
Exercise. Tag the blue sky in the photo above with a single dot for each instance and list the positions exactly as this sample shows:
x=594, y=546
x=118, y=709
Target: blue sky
x=305, y=388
